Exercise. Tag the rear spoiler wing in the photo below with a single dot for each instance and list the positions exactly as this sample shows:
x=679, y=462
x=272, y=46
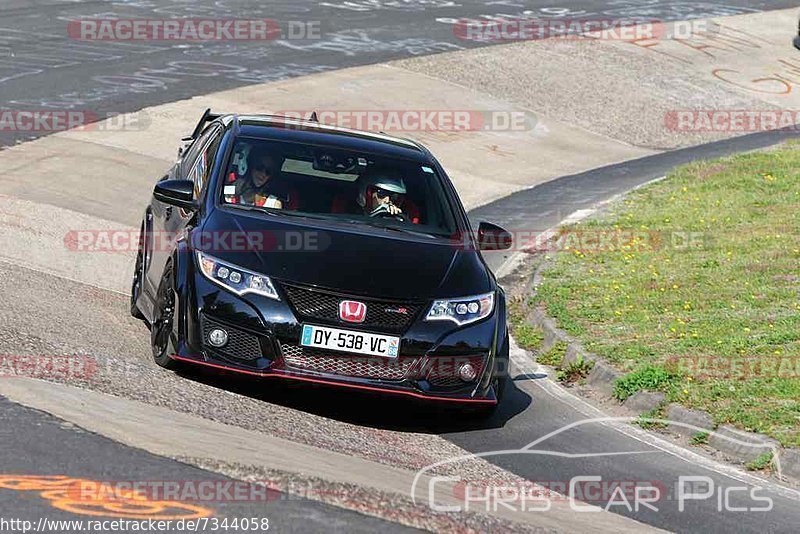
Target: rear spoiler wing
x=189, y=139
x=207, y=117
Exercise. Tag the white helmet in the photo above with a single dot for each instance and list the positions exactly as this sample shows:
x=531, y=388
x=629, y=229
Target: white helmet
x=386, y=179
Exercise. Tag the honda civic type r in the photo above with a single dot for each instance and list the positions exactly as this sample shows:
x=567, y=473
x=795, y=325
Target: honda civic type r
x=289, y=249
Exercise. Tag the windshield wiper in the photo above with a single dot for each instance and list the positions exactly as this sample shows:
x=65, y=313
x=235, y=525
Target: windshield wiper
x=371, y=224
x=277, y=212
x=357, y=222
x=407, y=231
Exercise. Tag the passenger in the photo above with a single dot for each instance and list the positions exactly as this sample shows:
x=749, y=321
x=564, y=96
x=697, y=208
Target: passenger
x=262, y=185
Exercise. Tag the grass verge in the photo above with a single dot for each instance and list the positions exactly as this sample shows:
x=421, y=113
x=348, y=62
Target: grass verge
x=527, y=336
x=691, y=286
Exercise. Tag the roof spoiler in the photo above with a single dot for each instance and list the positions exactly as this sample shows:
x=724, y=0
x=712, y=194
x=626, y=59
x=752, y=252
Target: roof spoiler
x=206, y=118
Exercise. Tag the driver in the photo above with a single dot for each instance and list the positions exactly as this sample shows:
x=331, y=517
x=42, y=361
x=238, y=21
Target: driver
x=382, y=193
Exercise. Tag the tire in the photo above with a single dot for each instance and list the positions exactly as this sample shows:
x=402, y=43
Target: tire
x=162, y=329
x=136, y=285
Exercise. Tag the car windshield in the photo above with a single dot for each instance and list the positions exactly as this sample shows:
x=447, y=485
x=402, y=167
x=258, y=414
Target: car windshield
x=340, y=185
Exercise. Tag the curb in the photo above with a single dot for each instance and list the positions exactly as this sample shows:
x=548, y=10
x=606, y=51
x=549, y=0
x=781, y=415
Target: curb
x=740, y=445
x=603, y=378
x=744, y=446
x=790, y=462
x=645, y=401
x=695, y=418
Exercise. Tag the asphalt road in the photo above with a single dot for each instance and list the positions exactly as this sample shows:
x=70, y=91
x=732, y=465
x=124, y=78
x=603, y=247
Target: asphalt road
x=39, y=448
x=41, y=68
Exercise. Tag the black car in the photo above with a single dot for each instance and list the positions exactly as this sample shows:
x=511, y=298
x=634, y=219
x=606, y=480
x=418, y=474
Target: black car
x=353, y=265
x=796, y=40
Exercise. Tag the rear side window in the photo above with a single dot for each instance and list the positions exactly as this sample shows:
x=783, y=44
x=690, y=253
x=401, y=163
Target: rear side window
x=200, y=170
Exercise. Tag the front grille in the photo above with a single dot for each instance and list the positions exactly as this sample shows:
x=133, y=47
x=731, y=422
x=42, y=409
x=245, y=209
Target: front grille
x=335, y=363
x=241, y=345
x=443, y=371
x=392, y=316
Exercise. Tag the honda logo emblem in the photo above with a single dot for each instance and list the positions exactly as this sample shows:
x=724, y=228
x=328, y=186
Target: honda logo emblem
x=352, y=311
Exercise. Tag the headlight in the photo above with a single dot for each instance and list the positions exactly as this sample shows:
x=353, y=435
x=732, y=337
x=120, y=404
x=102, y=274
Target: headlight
x=234, y=278
x=462, y=310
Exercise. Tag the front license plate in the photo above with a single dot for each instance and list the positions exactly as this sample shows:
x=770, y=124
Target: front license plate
x=350, y=341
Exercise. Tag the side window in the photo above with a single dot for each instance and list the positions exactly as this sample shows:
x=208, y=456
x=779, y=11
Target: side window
x=201, y=168
x=190, y=156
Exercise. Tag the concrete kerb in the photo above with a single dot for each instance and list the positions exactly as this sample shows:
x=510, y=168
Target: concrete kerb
x=789, y=460
x=744, y=446
x=684, y=416
x=645, y=401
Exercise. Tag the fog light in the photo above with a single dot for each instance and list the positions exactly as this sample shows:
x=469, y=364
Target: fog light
x=218, y=337
x=467, y=372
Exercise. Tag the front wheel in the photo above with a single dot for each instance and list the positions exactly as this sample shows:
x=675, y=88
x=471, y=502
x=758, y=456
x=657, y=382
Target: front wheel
x=161, y=332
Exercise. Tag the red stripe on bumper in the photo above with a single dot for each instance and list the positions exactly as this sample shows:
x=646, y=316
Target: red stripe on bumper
x=332, y=383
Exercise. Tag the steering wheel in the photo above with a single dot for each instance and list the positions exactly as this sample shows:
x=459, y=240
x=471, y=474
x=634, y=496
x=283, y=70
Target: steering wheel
x=382, y=211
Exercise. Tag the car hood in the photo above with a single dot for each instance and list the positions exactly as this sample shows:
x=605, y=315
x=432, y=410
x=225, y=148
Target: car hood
x=348, y=259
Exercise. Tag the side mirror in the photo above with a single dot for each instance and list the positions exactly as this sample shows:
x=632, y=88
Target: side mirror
x=178, y=193
x=492, y=237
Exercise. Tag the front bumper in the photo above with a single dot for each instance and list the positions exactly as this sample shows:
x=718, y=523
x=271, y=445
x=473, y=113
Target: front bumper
x=264, y=342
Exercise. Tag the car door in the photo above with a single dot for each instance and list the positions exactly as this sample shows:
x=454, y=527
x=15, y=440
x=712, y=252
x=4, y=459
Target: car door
x=170, y=222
